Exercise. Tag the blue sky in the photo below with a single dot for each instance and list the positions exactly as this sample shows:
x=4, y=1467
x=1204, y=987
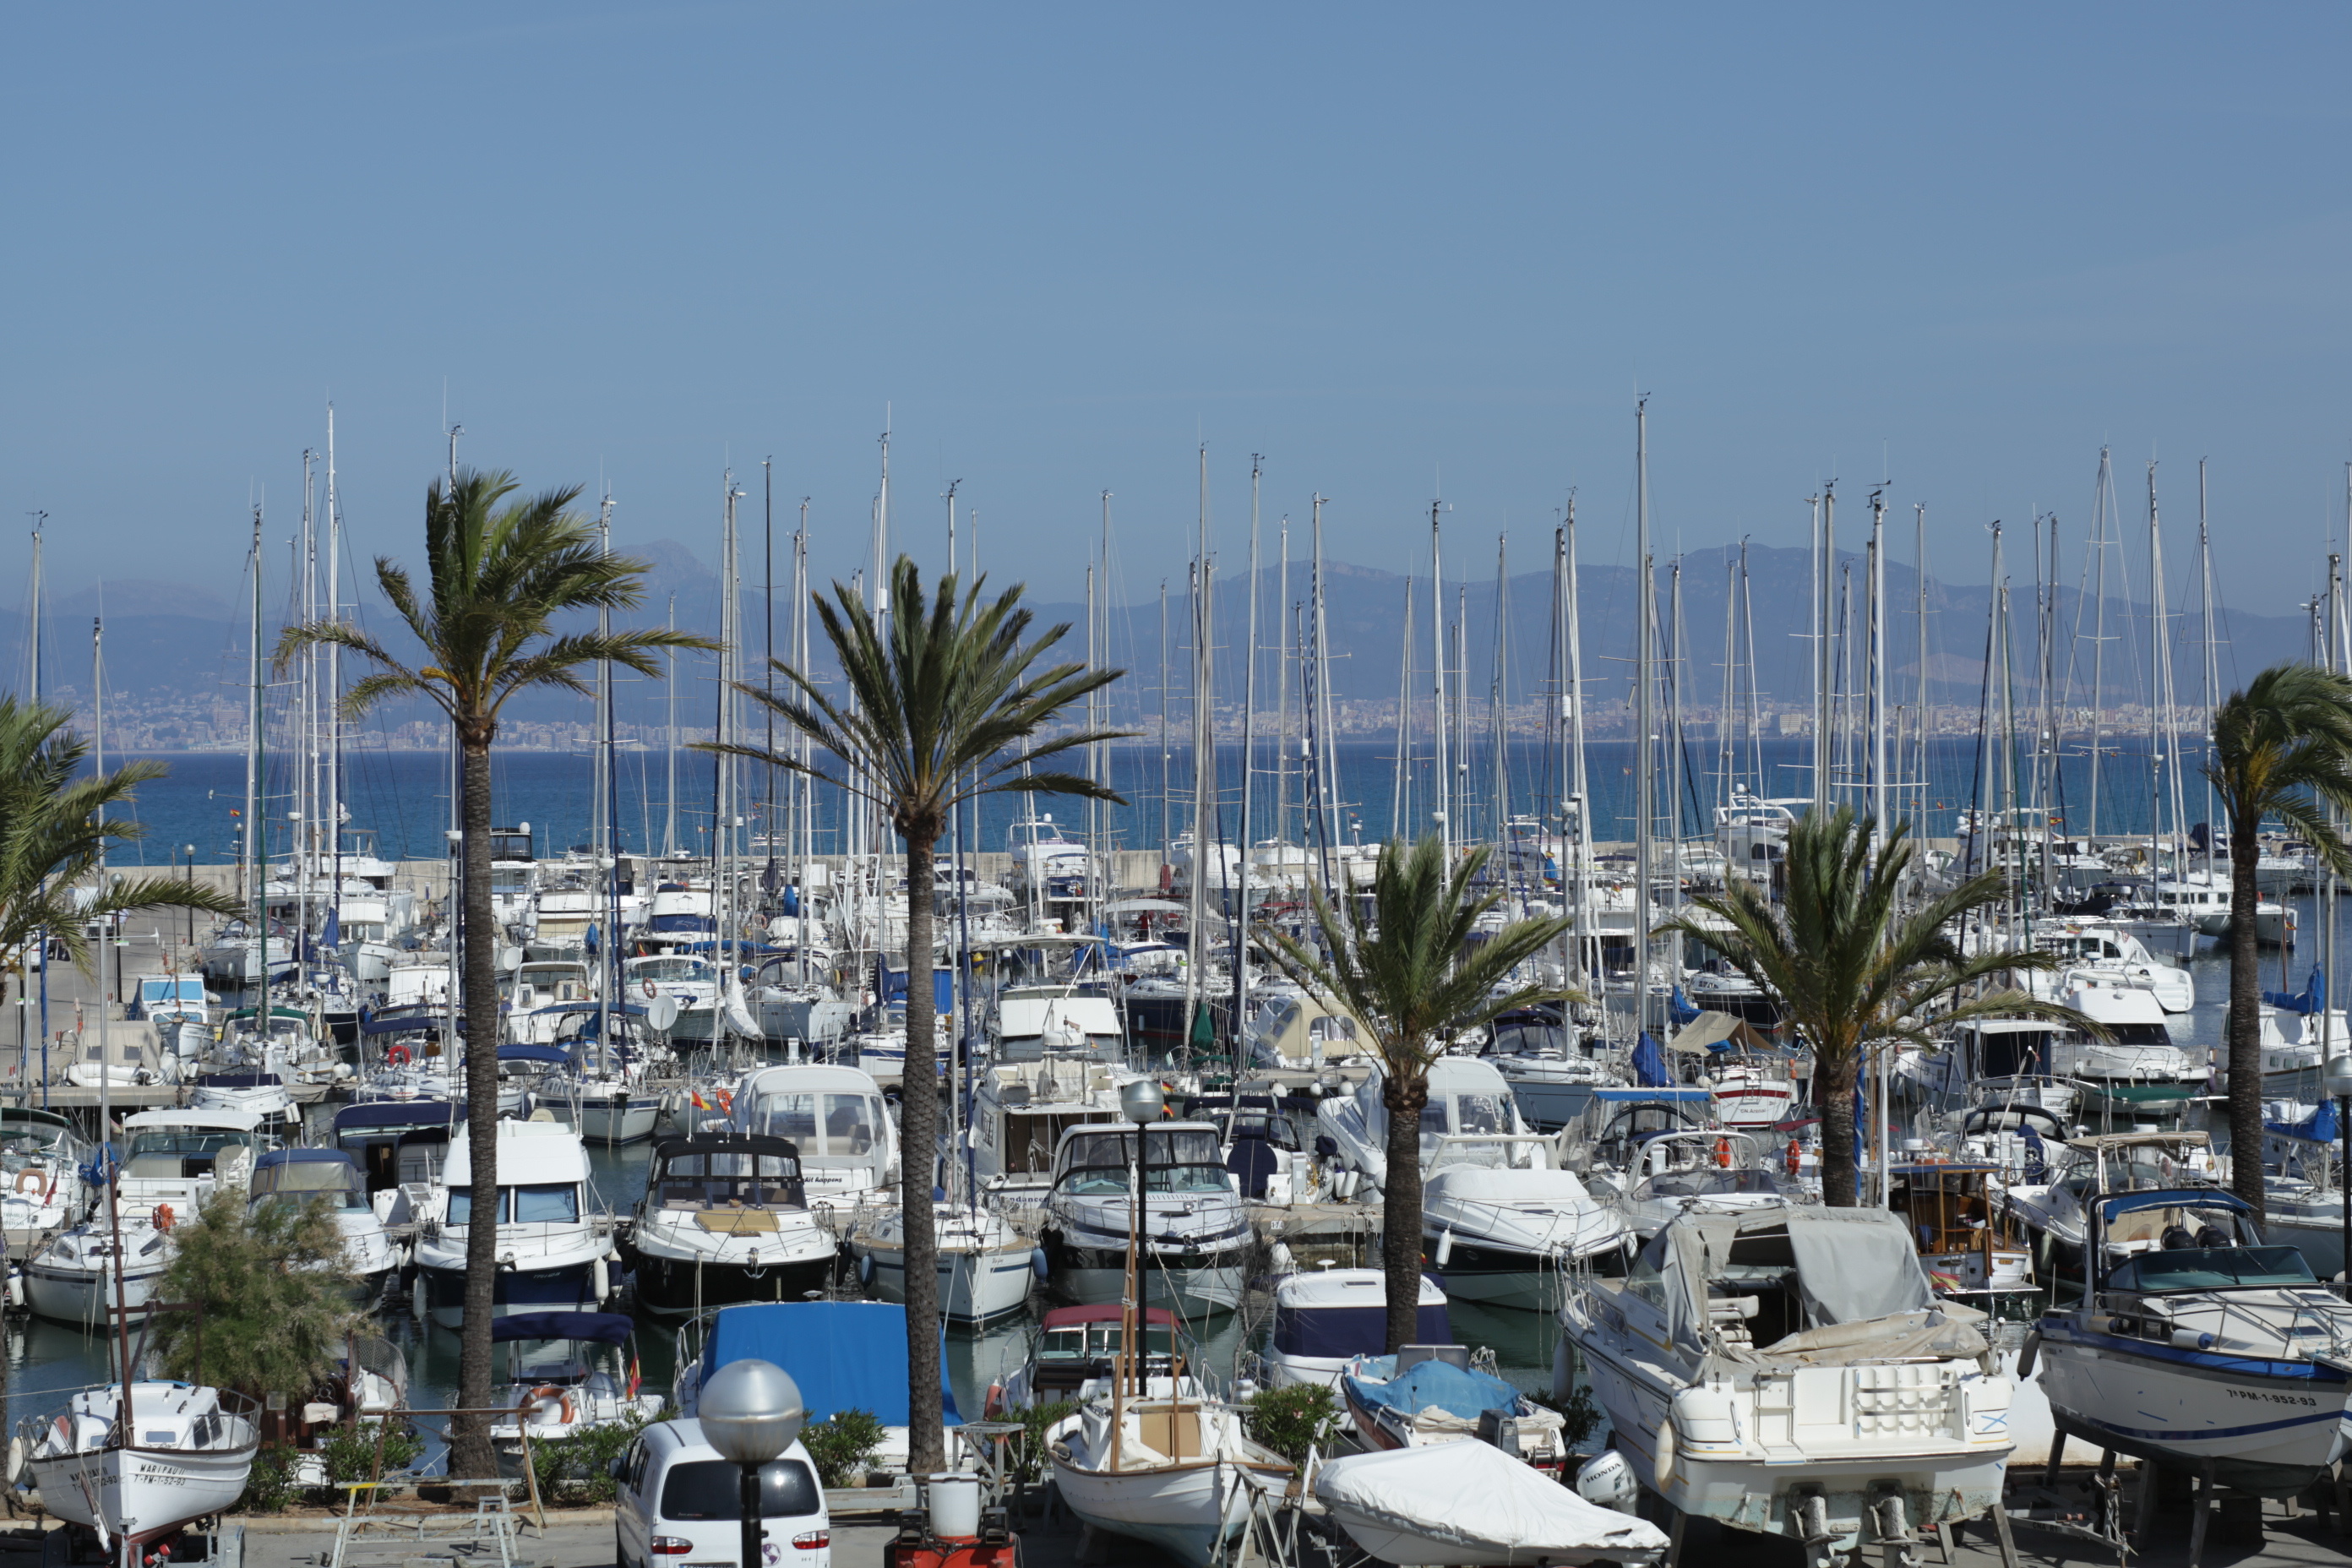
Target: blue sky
x=1392, y=249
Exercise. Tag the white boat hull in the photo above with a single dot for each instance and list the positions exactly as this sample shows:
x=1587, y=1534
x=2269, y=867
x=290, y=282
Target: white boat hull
x=616, y=1118
x=974, y=1286
x=84, y=1299
x=1186, y=1510
x=1187, y=1292
x=2263, y=1423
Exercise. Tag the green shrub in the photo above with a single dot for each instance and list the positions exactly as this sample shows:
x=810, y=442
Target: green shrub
x=578, y=1468
x=841, y=1445
x=349, y=1453
x=269, y=1485
x=1578, y=1415
x=1292, y=1419
x=1024, y=1456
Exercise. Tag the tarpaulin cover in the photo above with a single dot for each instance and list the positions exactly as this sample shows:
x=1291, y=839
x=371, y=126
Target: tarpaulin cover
x=846, y=1355
x=1946, y=1331
x=1454, y=1390
x=1473, y=1497
x=1854, y=1264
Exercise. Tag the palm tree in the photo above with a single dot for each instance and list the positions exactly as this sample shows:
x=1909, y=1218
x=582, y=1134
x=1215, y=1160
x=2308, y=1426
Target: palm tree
x=943, y=706
x=2283, y=748
x=498, y=576
x=52, y=838
x=1410, y=971
x=1855, y=969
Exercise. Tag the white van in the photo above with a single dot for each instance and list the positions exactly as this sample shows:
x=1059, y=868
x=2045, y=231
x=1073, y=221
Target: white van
x=680, y=1505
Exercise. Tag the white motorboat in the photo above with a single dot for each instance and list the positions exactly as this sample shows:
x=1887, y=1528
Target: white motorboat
x=1549, y=1065
x=1751, y=1089
x=985, y=1266
x=71, y=1280
x=41, y=1185
x=1325, y=1319
x=1020, y=1111
x=140, y=1466
x=2052, y=1210
x=1291, y=1031
x=1788, y=1370
x=1466, y=1096
x=1177, y=1473
x=2098, y=948
x=726, y=1220
x=2139, y=1071
x=1195, y=1230
x=1430, y=1396
x=296, y=1177
x=2200, y=1346
x=837, y=1118
x=550, y=1255
x=565, y=1374
x=1503, y=1226
x=690, y=981
x=1710, y=1173
x=1472, y=1505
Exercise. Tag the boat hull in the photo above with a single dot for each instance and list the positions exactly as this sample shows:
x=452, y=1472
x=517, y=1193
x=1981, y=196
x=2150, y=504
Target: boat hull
x=974, y=1286
x=667, y=1287
x=2270, y=1426
x=618, y=1118
x=1506, y=1277
x=141, y=1493
x=569, y=1287
x=86, y=1298
x=1186, y=1510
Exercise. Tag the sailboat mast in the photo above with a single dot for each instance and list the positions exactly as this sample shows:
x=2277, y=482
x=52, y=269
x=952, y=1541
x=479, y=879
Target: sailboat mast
x=2100, y=522
x=1401, y=784
x=1249, y=767
x=1442, y=794
x=1878, y=659
x=1644, y=801
x=334, y=654
x=256, y=839
x=1824, y=645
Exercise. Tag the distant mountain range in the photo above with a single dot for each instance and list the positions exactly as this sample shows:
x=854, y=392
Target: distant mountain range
x=167, y=643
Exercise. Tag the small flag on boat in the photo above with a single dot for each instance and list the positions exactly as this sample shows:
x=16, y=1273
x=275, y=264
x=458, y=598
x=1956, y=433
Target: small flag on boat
x=637, y=1375
x=699, y=1104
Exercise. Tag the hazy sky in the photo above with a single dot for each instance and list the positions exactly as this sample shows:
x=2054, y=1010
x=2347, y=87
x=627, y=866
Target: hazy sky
x=1401, y=251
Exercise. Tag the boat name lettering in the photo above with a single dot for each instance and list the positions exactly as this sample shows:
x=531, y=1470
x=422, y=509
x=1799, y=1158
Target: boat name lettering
x=2271, y=1398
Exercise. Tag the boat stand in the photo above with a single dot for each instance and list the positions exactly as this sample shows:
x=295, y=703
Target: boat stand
x=2088, y=1511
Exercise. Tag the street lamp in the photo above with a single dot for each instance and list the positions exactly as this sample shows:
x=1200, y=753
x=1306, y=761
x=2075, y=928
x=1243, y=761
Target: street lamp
x=751, y=1412
x=2336, y=1078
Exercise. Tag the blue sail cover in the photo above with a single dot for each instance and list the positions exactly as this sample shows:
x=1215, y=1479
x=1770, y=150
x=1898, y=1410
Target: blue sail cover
x=2319, y=1127
x=2311, y=998
x=1678, y=1007
x=1650, y=1064
x=845, y=1355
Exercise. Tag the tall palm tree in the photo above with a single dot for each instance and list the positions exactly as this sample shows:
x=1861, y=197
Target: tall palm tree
x=1855, y=969
x=2283, y=748
x=52, y=839
x=942, y=705
x=1409, y=969
x=499, y=575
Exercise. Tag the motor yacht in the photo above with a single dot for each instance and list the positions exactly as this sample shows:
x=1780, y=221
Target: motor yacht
x=985, y=1265
x=726, y=1220
x=1325, y=1319
x=42, y=1189
x=1788, y=1370
x=550, y=1254
x=1195, y=1231
x=1708, y=1172
x=1548, y=1063
x=836, y=1118
x=2198, y=1345
x=2139, y=1071
x=1020, y=1111
x=298, y=1177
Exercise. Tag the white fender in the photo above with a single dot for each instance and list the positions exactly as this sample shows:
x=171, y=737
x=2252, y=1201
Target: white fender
x=1663, y=1469
x=603, y=1282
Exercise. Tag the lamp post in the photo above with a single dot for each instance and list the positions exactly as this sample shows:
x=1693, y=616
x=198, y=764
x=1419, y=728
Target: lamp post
x=2337, y=1079
x=751, y=1412
x=1142, y=1103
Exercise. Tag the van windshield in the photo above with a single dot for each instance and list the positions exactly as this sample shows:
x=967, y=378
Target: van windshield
x=710, y=1489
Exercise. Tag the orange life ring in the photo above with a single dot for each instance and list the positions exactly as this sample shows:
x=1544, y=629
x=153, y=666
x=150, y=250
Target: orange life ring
x=1723, y=1153
x=30, y=1177
x=163, y=1217
x=566, y=1411
x=397, y=1056
x=651, y=990
x=1795, y=1159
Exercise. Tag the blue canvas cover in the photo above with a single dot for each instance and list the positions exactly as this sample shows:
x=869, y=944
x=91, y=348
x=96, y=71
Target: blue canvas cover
x=846, y=1355
x=2311, y=998
x=2319, y=1127
x=1650, y=1063
x=1457, y=1392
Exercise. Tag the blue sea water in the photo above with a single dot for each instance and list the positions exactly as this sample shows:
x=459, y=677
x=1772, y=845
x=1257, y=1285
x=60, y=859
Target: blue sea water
x=404, y=798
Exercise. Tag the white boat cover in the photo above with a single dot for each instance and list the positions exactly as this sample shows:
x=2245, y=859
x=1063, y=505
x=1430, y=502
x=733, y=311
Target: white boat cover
x=1471, y=1496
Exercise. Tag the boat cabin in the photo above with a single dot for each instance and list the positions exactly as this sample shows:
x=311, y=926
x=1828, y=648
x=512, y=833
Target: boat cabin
x=1075, y=1344
x=730, y=1178
x=296, y=1177
x=397, y=1142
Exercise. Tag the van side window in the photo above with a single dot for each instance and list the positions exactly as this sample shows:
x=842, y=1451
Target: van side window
x=636, y=1471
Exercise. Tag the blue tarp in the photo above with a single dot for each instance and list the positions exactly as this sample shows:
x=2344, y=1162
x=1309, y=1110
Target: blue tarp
x=603, y=1328
x=1679, y=1008
x=1452, y=1389
x=2311, y=998
x=1650, y=1064
x=2319, y=1127
x=846, y=1355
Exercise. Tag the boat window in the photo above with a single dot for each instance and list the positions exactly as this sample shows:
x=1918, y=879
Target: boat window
x=179, y=1152
x=1479, y=1113
x=1433, y=1120
x=849, y=1124
x=1182, y=1160
x=2139, y=1034
x=300, y=1181
x=1643, y=1280
x=1259, y=1124
x=791, y=1116
x=715, y=1178
x=552, y=1203
x=712, y=1490
x=672, y=969
x=2212, y=1269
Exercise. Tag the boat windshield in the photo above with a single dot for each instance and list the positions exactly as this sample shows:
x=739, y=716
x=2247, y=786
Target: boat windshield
x=297, y=1182
x=2212, y=1269
x=181, y=1152
x=1528, y=1039
x=1182, y=1160
x=1262, y=1125
x=1088, y=1342
x=704, y=1179
x=1471, y=1113
x=1706, y=1184
x=671, y=969
x=827, y=1129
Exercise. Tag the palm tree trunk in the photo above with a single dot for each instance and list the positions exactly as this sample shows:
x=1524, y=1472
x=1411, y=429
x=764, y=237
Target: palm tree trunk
x=919, y=1125
x=1839, y=1187
x=2245, y=1014
x=470, y=1445
x=1403, y=1094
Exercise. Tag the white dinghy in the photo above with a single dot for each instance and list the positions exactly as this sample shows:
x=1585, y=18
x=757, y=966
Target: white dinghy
x=1472, y=1505
x=143, y=1460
